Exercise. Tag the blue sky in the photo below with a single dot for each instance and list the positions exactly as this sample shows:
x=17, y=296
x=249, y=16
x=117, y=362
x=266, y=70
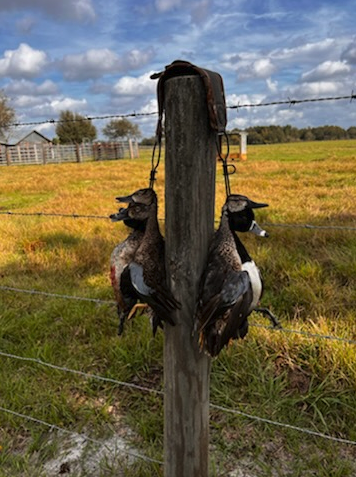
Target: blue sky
x=95, y=56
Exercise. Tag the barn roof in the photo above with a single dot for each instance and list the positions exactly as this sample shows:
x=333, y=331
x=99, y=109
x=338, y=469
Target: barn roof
x=13, y=137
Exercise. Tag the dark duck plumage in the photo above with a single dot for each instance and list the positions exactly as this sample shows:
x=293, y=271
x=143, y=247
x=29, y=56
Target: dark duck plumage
x=231, y=285
x=146, y=271
x=121, y=256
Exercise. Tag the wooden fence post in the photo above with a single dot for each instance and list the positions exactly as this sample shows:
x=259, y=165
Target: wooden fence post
x=8, y=155
x=78, y=154
x=189, y=209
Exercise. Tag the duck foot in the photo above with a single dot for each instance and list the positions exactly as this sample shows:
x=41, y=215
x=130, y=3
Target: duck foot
x=134, y=310
x=273, y=319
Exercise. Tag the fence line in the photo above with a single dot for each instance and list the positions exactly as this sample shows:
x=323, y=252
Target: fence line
x=151, y=390
x=281, y=424
x=290, y=102
x=106, y=217
x=78, y=434
x=81, y=373
x=99, y=301
x=48, y=153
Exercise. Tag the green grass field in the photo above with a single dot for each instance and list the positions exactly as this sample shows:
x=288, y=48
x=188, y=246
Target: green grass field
x=299, y=380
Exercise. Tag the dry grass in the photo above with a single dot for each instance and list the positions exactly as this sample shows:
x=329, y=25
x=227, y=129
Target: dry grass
x=310, y=278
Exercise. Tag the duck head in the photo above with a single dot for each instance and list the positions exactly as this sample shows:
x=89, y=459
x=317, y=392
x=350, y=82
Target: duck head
x=122, y=215
x=133, y=214
x=241, y=215
x=141, y=196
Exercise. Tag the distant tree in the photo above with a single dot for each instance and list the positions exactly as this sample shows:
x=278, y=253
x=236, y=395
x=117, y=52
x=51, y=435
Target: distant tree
x=306, y=134
x=74, y=128
x=148, y=141
x=121, y=128
x=351, y=132
x=7, y=114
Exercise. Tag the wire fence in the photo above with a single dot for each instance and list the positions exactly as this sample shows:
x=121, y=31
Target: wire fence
x=290, y=102
x=106, y=217
x=97, y=301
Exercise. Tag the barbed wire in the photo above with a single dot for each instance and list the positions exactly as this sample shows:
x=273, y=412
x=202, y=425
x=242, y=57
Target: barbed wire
x=99, y=301
x=289, y=101
x=53, y=214
x=57, y=295
x=86, y=118
x=151, y=390
x=292, y=102
x=78, y=434
x=106, y=217
x=281, y=424
x=97, y=377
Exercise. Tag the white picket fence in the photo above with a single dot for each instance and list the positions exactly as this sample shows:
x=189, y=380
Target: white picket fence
x=36, y=153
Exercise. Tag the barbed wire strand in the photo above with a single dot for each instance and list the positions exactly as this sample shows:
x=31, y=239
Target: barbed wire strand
x=106, y=217
x=307, y=334
x=86, y=118
x=57, y=295
x=151, y=390
x=281, y=424
x=113, y=302
x=78, y=434
x=290, y=102
x=97, y=377
x=53, y=214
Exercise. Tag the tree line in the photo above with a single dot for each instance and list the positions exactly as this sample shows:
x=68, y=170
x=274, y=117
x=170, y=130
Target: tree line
x=279, y=134
x=73, y=128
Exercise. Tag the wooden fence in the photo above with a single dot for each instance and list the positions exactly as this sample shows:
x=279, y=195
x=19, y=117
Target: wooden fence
x=32, y=153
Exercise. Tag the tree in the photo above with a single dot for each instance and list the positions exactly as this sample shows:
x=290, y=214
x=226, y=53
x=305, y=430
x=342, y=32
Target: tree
x=73, y=128
x=351, y=132
x=121, y=128
x=7, y=114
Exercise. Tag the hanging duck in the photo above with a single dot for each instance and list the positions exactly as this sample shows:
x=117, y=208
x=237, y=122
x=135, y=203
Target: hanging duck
x=121, y=256
x=146, y=272
x=231, y=285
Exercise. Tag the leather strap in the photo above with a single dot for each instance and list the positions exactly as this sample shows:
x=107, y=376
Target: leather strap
x=214, y=93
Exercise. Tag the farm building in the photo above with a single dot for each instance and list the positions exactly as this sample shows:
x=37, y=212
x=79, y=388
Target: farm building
x=22, y=138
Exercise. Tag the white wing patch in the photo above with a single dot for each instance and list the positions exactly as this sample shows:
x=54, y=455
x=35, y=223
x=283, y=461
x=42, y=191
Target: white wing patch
x=256, y=282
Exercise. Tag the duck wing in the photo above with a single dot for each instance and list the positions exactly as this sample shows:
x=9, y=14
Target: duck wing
x=158, y=297
x=226, y=318
x=226, y=294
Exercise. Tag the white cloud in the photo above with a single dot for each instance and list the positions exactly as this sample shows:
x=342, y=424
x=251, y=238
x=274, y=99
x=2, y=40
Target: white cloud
x=29, y=88
x=167, y=5
x=150, y=107
x=55, y=106
x=93, y=63
x=307, y=50
x=78, y=10
x=96, y=63
x=317, y=88
x=326, y=70
x=235, y=100
x=25, y=62
x=272, y=85
x=349, y=54
x=261, y=68
x=130, y=86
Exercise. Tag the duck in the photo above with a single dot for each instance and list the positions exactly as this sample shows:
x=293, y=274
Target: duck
x=145, y=196
x=146, y=271
x=231, y=285
x=121, y=256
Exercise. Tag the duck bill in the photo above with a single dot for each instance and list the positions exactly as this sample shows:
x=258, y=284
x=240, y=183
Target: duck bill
x=128, y=199
x=121, y=215
x=256, y=205
x=257, y=230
